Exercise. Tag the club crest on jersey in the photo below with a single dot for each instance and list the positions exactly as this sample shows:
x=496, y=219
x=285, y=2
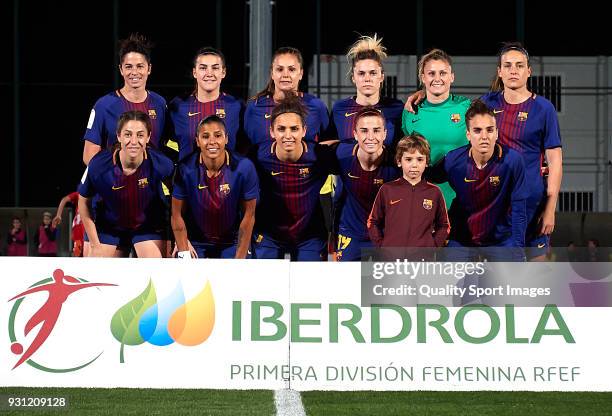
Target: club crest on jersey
x=378, y=181
x=522, y=115
x=143, y=182
x=494, y=180
x=427, y=204
x=456, y=118
x=220, y=112
x=224, y=188
x=152, y=114
x=303, y=172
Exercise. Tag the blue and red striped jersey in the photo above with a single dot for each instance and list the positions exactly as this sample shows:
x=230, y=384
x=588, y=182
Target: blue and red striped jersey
x=102, y=124
x=343, y=114
x=213, y=204
x=258, y=115
x=489, y=208
x=360, y=188
x=530, y=128
x=289, y=210
x=132, y=201
x=186, y=113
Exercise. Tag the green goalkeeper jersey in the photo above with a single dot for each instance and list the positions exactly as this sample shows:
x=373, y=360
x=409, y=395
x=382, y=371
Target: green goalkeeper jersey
x=443, y=125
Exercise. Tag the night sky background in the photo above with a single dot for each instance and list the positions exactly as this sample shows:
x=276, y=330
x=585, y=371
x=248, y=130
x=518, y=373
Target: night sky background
x=66, y=58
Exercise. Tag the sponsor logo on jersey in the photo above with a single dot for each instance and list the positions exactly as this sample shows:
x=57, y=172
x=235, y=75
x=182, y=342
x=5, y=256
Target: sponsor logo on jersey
x=469, y=180
x=350, y=175
x=267, y=115
x=494, y=180
x=522, y=115
x=456, y=118
x=116, y=188
x=497, y=111
x=200, y=187
x=190, y=114
x=427, y=204
x=394, y=201
x=347, y=114
x=276, y=173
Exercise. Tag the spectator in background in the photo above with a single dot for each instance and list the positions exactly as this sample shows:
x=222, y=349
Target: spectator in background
x=594, y=252
x=17, y=239
x=46, y=237
x=78, y=230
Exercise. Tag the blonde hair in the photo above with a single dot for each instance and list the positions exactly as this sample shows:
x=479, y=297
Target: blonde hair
x=366, y=47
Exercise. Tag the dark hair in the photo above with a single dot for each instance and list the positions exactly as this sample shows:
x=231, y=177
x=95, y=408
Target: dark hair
x=209, y=120
x=497, y=84
x=285, y=50
x=366, y=47
x=434, y=55
x=477, y=107
x=409, y=144
x=368, y=111
x=135, y=43
x=207, y=50
x=290, y=104
x=134, y=115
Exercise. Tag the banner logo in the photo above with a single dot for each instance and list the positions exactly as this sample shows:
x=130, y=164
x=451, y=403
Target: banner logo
x=163, y=322
x=59, y=288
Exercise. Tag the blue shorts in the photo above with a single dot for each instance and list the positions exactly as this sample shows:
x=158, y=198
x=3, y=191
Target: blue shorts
x=126, y=239
x=350, y=248
x=216, y=251
x=313, y=249
x=504, y=251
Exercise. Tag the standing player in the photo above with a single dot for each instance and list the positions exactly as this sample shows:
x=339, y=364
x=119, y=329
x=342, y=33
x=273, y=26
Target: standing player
x=207, y=99
x=364, y=167
x=528, y=123
x=409, y=211
x=441, y=116
x=366, y=58
x=129, y=180
x=489, y=180
x=211, y=189
x=135, y=67
x=78, y=231
x=286, y=72
x=291, y=171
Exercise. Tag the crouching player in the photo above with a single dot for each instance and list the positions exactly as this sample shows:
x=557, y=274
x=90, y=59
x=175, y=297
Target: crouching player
x=291, y=172
x=211, y=189
x=129, y=181
x=409, y=211
x=364, y=167
x=488, y=215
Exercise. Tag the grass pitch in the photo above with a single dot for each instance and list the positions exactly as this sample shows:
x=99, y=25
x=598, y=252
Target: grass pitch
x=456, y=403
x=261, y=402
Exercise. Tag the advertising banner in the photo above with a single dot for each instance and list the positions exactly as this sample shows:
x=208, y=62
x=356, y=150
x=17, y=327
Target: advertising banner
x=275, y=324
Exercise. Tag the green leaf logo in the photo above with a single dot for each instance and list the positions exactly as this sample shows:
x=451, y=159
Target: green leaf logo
x=125, y=322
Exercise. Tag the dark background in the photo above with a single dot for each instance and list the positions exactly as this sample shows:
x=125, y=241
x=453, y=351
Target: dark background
x=66, y=60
